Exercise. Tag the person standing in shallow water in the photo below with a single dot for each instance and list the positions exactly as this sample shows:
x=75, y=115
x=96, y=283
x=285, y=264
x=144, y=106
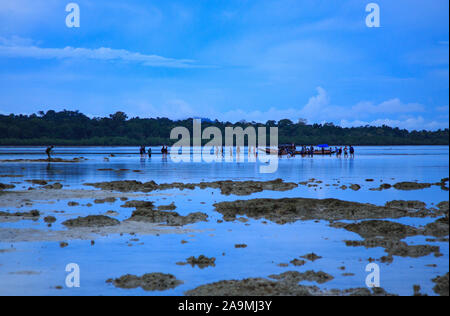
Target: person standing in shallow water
x=165, y=150
x=142, y=151
x=352, y=152
x=48, y=151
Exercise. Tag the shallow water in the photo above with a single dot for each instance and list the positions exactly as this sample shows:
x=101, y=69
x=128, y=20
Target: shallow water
x=268, y=244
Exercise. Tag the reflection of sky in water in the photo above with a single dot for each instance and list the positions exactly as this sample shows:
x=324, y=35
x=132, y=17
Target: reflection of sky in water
x=268, y=244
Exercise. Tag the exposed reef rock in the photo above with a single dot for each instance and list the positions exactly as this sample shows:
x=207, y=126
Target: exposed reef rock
x=285, y=285
x=384, y=186
x=91, y=221
x=6, y=186
x=296, y=277
x=34, y=214
x=202, y=262
x=377, y=228
x=151, y=215
x=49, y=219
x=409, y=186
x=439, y=228
x=138, y=204
x=441, y=286
x=54, y=186
x=169, y=207
x=289, y=210
x=227, y=187
x=148, y=282
x=388, y=235
x=392, y=230
x=311, y=257
x=38, y=182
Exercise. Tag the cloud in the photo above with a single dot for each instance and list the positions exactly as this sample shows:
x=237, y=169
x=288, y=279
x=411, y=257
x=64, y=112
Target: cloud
x=16, y=41
x=19, y=48
x=317, y=110
x=320, y=110
x=414, y=123
x=389, y=106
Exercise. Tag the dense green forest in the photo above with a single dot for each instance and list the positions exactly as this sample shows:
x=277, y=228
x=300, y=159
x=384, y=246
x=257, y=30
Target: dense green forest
x=75, y=128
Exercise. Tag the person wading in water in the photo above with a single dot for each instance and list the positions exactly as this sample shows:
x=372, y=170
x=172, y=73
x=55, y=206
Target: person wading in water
x=352, y=152
x=48, y=151
x=142, y=151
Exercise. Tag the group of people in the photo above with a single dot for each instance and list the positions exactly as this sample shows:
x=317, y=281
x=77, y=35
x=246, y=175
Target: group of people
x=348, y=150
x=283, y=150
x=220, y=151
x=287, y=150
x=307, y=150
x=143, y=151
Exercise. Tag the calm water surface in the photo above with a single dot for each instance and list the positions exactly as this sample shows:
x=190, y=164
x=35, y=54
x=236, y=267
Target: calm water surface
x=268, y=244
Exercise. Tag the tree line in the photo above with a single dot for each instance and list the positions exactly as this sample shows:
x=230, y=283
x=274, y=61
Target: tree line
x=70, y=128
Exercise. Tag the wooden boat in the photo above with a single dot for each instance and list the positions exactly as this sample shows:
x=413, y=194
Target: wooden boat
x=271, y=151
x=325, y=152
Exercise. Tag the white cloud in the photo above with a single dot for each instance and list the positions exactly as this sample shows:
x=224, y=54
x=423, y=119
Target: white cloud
x=18, y=48
x=389, y=106
x=16, y=41
x=320, y=110
x=414, y=123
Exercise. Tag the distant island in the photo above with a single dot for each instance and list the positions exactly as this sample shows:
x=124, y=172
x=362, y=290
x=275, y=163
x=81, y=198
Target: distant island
x=72, y=128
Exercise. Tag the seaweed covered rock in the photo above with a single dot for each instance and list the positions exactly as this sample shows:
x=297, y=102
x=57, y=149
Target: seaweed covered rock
x=377, y=228
x=91, y=221
x=296, y=277
x=285, y=286
x=251, y=287
x=148, y=282
x=226, y=187
x=311, y=257
x=49, y=219
x=441, y=286
x=202, y=262
x=38, y=182
x=439, y=228
x=384, y=186
x=169, y=207
x=150, y=215
x=6, y=186
x=409, y=186
x=138, y=204
x=31, y=214
x=289, y=210
x=406, y=205
x=54, y=186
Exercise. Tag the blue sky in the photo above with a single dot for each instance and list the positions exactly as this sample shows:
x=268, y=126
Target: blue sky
x=230, y=59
